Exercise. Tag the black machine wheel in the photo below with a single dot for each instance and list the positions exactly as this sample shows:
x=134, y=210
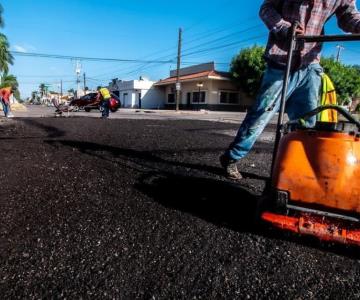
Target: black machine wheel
x=87, y=109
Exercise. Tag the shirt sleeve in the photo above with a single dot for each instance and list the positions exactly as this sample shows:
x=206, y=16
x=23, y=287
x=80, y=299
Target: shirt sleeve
x=272, y=18
x=348, y=16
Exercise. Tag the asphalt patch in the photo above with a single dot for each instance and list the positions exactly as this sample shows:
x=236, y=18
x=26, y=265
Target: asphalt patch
x=139, y=209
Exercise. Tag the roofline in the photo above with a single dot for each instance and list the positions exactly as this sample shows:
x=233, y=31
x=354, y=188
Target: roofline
x=191, y=79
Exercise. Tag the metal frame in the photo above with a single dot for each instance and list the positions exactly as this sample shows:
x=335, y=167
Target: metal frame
x=293, y=43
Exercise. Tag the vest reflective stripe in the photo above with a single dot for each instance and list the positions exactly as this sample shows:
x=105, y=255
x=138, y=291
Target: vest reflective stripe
x=328, y=96
x=105, y=93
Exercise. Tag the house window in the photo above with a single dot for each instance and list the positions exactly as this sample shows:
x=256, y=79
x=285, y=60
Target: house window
x=171, y=98
x=199, y=97
x=229, y=98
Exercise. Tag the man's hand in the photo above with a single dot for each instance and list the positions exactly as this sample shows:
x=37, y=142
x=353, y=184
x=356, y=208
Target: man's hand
x=300, y=30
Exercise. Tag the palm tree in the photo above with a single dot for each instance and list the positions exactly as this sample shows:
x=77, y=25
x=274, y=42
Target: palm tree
x=2, y=23
x=42, y=88
x=9, y=80
x=5, y=56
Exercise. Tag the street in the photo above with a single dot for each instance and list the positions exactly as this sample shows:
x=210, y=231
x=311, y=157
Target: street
x=138, y=209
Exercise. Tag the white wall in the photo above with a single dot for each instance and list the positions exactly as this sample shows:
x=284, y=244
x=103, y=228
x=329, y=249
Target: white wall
x=151, y=97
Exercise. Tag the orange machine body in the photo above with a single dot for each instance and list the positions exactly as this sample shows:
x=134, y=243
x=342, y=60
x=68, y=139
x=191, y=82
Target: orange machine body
x=319, y=172
x=320, y=168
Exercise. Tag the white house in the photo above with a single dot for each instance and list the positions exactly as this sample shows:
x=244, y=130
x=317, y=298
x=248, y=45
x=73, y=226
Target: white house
x=138, y=93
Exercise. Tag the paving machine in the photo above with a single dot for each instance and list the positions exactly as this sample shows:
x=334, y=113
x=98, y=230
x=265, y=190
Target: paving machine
x=315, y=182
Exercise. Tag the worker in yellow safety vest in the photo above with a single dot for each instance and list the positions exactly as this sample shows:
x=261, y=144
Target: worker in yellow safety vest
x=328, y=96
x=104, y=96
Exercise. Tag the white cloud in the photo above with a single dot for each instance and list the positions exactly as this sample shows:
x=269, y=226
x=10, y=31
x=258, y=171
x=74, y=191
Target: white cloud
x=29, y=47
x=19, y=48
x=24, y=47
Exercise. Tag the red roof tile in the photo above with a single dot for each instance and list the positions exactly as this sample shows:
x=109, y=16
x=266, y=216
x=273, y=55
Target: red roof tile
x=201, y=75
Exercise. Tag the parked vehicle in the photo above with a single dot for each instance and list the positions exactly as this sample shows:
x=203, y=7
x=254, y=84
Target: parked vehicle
x=86, y=102
x=90, y=101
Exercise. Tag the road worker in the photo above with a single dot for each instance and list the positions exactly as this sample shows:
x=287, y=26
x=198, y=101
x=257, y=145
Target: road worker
x=104, y=96
x=305, y=77
x=5, y=94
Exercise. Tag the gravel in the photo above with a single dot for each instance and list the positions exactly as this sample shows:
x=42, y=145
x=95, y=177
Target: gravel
x=139, y=209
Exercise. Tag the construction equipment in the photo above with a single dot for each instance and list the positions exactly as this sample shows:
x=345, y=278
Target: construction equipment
x=315, y=177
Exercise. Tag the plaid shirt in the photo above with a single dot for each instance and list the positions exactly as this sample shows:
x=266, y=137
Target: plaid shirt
x=278, y=15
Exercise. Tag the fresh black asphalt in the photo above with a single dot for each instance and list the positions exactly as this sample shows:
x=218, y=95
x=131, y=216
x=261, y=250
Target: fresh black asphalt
x=139, y=209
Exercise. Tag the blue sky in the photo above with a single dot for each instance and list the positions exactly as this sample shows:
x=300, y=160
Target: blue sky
x=122, y=29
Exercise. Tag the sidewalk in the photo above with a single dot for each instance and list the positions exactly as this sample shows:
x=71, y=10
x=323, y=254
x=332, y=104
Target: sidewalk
x=38, y=111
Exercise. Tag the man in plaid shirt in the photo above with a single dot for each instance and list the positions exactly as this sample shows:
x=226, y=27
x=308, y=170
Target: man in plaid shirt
x=305, y=77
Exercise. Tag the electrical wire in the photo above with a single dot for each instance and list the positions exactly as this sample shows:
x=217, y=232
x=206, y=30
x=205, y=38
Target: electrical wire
x=83, y=58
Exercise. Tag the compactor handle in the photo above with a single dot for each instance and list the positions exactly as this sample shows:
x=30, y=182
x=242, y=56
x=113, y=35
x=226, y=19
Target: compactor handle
x=319, y=109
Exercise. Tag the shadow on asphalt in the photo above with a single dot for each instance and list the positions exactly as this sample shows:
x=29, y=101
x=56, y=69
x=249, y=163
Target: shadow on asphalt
x=223, y=203
x=145, y=157
x=219, y=202
x=52, y=131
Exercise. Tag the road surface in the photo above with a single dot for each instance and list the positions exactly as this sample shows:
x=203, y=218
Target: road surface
x=139, y=209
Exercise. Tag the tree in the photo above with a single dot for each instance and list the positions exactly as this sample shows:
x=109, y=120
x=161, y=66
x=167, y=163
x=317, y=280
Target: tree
x=35, y=97
x=5, y=56
x=2, y=23
x=42, y=88
x=247, y=69
x=249, y=65
x=10, y=81
x=346, y=78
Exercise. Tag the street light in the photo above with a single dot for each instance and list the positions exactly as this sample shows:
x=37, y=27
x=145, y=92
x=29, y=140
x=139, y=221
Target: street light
x=199, y=85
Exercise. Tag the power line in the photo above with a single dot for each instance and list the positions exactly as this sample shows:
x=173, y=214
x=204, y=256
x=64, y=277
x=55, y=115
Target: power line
x=201, y=36
x=222, y=38
x=42, y=76
x=146, y=66
x=57, y=56
x=223, y=46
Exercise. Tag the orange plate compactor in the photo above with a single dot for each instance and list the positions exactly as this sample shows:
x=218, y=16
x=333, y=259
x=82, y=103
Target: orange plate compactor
x=315, y=183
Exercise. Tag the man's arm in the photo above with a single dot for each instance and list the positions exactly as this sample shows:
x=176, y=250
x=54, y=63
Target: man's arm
x=348, y=16
x=272, y=18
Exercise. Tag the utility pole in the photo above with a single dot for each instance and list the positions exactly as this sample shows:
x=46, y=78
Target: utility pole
x=78, y=71
x=84, y=83
x=178, y=85
x=340, y=48
x=61, y=88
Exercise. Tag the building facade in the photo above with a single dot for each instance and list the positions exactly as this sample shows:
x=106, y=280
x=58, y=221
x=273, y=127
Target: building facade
x=138, y=93
x=202, y=87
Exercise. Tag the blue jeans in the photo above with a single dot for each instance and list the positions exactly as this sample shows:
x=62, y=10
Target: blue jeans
x=6, y=107
x=302, y=97
x=105, y=106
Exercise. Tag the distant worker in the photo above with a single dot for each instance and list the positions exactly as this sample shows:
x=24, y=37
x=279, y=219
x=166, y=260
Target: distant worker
x=5, y=94
x=306, y=72
x=104, y=96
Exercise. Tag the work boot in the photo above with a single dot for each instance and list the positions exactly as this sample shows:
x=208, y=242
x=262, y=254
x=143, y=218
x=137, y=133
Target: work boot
x=230, y=168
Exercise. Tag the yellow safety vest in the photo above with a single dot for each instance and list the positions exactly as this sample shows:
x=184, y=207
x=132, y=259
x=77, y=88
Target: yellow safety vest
x=328, y=96
x=105, y=93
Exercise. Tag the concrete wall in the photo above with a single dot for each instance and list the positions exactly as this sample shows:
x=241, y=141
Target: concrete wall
x=151, y=97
